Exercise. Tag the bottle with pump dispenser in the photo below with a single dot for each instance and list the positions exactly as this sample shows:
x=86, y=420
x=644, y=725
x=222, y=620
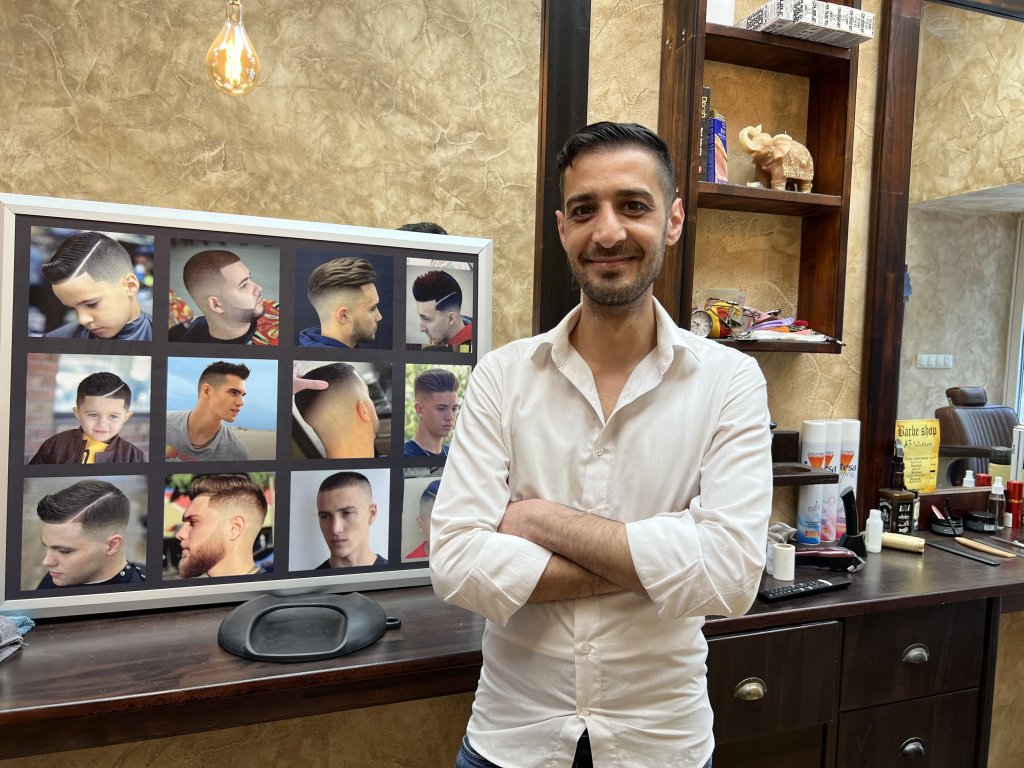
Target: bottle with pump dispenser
x=896, y=503
x=997, y=502
x=873, y=532
x=968, y=479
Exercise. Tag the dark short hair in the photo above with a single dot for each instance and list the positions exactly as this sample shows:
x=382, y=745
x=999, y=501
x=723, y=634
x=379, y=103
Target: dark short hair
x=435, y=380
x=428, y=227
x=343, y=480
x=232, y=488
x=605, y=135
x=96, y=504
x=332, y=373
x=350, y=272
x=205, y=267
x=104, y=384
x=214, y=373
x=438, y=286
x=102, y=257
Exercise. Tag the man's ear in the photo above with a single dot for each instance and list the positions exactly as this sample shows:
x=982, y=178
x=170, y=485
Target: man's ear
x=560, y=218
x=418, y=407
x=453, y=317
x=675, y=222
x=114, y=542
x=341, y=314
x=236, y=526
x=205, y=389
x=363, y=411
x=131, y=283
x=215, y=305
x=373, y=512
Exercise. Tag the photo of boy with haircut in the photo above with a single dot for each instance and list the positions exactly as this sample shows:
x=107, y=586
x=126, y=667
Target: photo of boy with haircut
x=93, y=274
x=83, y=533
x=103, y=405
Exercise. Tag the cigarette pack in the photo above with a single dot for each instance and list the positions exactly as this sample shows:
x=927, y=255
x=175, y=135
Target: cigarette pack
x=775, y=16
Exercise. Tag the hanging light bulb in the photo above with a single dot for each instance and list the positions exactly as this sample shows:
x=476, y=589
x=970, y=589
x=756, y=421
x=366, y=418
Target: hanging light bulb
x=231, y=62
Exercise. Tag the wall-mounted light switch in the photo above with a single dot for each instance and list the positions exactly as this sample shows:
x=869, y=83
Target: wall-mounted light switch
x=934, y=361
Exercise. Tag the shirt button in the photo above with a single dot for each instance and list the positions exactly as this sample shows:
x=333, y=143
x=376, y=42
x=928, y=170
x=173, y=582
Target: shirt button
x=584, y=712
x=599, y=451
x=585, y=649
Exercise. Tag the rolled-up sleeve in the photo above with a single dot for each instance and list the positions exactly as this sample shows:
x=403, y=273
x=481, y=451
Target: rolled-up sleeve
x=471, y=564
x=707, y=559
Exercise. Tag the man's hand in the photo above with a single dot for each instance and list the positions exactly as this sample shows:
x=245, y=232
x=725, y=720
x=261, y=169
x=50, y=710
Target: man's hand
x=592, y=543
x=299, y=383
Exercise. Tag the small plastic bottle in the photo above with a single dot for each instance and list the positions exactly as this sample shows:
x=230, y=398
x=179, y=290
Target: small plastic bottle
x=969, y=479
x=873, y=531
x=997, y=502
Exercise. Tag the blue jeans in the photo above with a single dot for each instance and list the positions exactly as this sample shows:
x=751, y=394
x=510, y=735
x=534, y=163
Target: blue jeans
x=469, y=758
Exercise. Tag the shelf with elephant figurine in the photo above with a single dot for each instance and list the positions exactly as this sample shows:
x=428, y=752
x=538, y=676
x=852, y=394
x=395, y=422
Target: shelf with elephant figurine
x=733, y=197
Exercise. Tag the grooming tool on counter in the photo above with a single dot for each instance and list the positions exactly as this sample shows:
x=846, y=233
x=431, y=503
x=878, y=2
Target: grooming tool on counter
x=802, y=588
x=1007, y=545
x=853, y=540
x=962, y=553
x=833, y=558
x=1011, y=542
x=946, y=524
x=981, y=547
x=902, y=541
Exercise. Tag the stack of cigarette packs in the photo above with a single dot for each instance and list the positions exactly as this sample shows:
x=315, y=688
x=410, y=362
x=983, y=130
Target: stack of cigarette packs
x=813, y=20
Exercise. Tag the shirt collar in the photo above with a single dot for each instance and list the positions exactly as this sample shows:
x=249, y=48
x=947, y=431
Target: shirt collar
x=670, y=339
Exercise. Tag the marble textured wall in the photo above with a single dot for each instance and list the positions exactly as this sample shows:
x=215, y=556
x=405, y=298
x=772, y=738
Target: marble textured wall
x=372, y=113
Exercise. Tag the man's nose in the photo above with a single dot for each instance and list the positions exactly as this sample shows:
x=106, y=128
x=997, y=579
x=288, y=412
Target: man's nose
x=84, y=316
x=49, y=559
x=181, y=535
x=257, y=288
x=608, y=229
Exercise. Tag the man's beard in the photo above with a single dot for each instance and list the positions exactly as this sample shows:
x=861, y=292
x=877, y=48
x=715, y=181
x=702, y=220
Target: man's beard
x=202, y=558
x=365, y=335
x=247, y=314
x=614, y=292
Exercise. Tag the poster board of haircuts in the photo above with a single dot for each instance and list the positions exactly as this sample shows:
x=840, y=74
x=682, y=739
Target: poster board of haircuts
x=203, y=407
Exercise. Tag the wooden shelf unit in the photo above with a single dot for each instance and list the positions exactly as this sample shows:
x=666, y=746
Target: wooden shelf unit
x=831, y=73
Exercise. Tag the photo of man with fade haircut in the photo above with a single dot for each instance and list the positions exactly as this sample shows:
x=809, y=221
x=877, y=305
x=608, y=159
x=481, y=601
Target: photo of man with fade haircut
x=83, y=531
x=345, y=509
x=343, y=416
x=437, y=404
x=201, y=434
x=426, y=506
x=344, y=294
x=232, y=303
x=93, y=274
x=439, y=309
x=220, y=527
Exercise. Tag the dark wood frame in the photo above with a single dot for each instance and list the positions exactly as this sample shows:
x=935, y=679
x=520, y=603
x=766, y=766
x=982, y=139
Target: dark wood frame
x=887, y=245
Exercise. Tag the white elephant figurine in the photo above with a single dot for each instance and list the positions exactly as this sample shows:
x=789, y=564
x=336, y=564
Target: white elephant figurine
x=778, y=159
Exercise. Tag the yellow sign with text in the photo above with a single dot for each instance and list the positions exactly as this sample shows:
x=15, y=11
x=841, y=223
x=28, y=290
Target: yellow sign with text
x=920, y=438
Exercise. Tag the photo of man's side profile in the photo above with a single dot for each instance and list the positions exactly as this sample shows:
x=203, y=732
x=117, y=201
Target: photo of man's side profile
x=347, y=301
x=439, y=316
x=433, y=393
x=339, y=519
x=81, y=409
x=221, y=528
x=208, y=419
x=420, y=495
x=87, y=532
x=608, y=487
x=228, y=295
x=346, y=418
x=96, y=281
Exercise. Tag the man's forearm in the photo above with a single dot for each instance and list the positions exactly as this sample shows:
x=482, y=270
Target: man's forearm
x=565, y=580
x=593, y=543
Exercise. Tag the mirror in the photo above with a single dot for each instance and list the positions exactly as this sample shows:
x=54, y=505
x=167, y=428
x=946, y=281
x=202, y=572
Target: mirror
x=962, y=320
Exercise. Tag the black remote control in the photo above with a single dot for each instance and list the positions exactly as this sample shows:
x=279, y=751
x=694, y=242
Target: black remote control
x=802, y=588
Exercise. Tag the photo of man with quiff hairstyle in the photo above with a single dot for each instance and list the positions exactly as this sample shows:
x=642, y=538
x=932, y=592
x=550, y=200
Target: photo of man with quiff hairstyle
x=344, y=294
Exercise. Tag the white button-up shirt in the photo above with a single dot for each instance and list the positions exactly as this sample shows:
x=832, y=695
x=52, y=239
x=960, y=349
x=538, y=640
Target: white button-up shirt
x=684, y=460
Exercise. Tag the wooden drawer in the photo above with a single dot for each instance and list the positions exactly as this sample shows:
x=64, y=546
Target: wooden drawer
x=934, y=732
x=804, y=748
x=908, y=654
x=799, y=670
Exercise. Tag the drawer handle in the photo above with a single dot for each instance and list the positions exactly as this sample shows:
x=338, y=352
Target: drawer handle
x=916, y=654
x=912, y=749
x=751, y=689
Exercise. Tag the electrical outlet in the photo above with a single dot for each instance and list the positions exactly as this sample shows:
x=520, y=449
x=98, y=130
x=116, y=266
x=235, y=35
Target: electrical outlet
x=935, y=361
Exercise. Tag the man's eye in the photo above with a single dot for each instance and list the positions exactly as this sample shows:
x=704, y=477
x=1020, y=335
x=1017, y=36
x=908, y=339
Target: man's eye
x=636, y=205
x=581, y=211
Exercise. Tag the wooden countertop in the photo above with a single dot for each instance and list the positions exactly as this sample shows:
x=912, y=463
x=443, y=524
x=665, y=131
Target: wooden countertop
x=106, y=680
